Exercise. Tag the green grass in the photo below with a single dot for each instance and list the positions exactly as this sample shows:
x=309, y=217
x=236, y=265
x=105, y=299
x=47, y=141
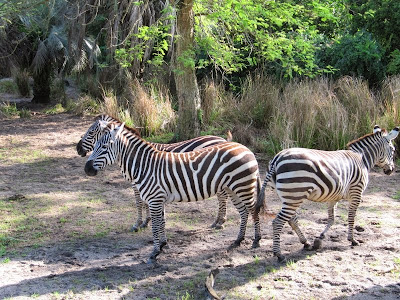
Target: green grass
x=56, y=109
x=8, y=86
x=9, y=109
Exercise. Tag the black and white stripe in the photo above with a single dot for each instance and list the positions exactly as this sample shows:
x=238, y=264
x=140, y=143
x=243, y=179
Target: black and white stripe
x=163, y=177
x=94, y=133
x=325, y=176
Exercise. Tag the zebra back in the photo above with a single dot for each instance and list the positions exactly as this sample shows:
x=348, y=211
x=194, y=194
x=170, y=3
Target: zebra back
x=96, y=130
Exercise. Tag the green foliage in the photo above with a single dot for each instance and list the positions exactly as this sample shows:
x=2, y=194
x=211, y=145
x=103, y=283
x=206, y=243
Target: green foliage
x=394, y=63
x=379, y=17
x=237, y=35
x=154, y=38
x=358, y=55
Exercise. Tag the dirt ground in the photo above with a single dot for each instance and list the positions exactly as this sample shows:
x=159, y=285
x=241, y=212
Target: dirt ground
x=65, y=235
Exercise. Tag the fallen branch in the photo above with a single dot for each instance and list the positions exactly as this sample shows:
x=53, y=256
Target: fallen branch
x=211, y=293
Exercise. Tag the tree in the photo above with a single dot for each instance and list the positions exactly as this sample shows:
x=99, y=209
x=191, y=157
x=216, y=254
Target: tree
x=189, y=112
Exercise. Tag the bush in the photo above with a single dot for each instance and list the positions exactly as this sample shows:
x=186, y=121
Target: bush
x=21, y=79
x=358, y=55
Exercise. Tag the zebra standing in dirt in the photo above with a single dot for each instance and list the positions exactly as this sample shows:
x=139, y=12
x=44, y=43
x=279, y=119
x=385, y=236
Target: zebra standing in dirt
x=163, y=177
x=325, y=176
x=94, y=133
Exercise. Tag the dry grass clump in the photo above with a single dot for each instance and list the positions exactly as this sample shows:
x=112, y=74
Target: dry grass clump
x=151, y=108
x=146, y=108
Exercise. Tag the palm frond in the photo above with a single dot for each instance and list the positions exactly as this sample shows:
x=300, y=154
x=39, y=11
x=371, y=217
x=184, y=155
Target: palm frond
x=41, y=58
x=81, y=64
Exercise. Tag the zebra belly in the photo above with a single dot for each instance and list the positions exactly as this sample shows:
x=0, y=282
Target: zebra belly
x=301, y=192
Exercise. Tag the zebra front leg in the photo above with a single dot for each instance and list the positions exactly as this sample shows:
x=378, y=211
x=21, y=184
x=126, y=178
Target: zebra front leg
x=156, y=214
x=139, y=205
x=352, y=214
x=294, y=223
x=221, y=218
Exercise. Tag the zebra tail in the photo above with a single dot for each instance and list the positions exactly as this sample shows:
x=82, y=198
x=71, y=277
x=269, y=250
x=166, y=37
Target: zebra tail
x=261, y=199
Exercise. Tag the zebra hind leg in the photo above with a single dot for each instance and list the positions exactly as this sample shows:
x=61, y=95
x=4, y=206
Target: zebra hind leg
x=331, y=220
x=139, y=205
x=294, y=223
x=277, y=225
x=146, y=221
x=221, y=218
x=244, y=215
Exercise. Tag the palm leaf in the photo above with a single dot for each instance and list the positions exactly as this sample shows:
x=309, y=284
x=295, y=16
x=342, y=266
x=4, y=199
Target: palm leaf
x=41, y=58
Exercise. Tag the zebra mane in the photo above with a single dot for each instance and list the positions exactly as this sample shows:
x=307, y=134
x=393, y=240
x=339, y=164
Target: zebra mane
x=367, y=136
x=113, y=119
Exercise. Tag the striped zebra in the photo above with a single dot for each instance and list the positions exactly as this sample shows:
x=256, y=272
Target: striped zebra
x=162, y=177
x=325, y=176
x=94, y=133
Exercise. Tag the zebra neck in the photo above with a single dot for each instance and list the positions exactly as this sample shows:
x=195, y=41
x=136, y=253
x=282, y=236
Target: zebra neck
x=368, y=151
x=134, y=158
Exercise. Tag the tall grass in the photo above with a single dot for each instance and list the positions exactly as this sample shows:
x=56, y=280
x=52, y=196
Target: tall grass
x=319, y=113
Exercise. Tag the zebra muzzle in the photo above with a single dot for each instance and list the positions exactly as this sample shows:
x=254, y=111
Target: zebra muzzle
x=89, y=169
x=80, y=150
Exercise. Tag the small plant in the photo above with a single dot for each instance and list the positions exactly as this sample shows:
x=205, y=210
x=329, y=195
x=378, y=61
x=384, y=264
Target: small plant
x=6, y=260
x=56, y=109
x=9, y=109
x=24, y=113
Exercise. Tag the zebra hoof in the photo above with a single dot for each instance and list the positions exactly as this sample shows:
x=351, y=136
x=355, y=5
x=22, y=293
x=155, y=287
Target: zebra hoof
x=281, y=258
x=256, y=244
x=317, y=244
x=355, y=243
x=152, y=261
x=321, y=237
x=235, y=244
x=164, y=245
x=134, y=228
x=307, y=246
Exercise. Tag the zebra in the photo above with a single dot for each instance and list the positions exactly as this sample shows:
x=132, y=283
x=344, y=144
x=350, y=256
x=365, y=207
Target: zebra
x=162, y=177
x=300, y=174
x=93, y=134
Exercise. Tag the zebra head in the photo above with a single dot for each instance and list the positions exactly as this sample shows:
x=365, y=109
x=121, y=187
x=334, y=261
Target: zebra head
x=105, y=151
x=89, y=139
x=385, y=157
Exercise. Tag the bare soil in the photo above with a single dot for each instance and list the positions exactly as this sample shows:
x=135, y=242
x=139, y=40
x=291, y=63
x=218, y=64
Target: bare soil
x=67, y=235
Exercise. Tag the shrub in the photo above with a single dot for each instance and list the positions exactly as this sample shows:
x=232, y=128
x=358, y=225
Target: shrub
x=21, y=79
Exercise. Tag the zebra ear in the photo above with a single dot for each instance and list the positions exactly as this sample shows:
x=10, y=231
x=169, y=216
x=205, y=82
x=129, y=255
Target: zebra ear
x=376, y=129
x=103, y=124
x=393, y=134
x=117, y=131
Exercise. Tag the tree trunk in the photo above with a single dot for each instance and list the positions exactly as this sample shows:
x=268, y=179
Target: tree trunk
x=41, y=85
x=188, y=123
